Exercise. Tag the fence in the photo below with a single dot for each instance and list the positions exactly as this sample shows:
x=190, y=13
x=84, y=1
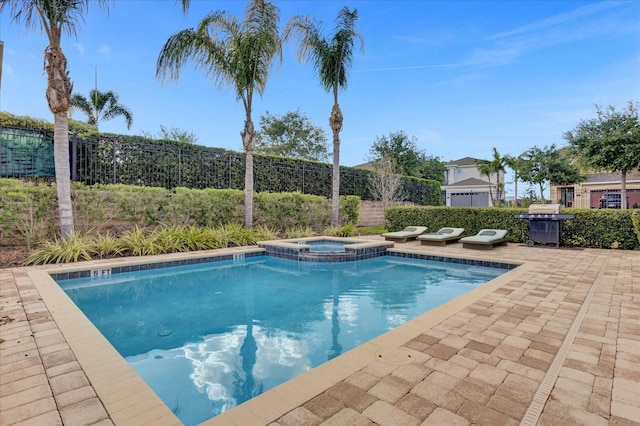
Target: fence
x=134, y=160
x=26, y=153
x=607, y=195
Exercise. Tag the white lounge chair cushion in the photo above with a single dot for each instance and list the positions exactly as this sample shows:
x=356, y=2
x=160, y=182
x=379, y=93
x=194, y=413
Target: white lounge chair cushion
x=408, y=231
x=442, y=234
x=486, y=236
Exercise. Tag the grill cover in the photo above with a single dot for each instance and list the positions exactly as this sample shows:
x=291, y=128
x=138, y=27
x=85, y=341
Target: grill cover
x=544, y=209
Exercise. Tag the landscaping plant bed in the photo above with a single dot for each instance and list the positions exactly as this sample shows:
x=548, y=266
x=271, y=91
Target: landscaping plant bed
x=12, y=255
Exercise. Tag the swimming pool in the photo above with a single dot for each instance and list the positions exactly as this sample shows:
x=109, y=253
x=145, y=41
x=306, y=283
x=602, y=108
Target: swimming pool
x=249, y=336
x=325, y=246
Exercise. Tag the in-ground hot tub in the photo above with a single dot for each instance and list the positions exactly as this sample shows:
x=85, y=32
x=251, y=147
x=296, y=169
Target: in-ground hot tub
x=324, y=246
x=325, y=249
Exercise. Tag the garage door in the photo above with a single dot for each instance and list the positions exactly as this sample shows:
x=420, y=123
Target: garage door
x=470, y=199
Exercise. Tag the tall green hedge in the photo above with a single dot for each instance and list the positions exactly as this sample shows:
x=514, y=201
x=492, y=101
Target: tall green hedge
x=590, y=228
x=102, y=158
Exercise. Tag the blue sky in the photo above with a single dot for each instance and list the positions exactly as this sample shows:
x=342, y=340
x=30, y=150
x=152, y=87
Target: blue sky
x=460, y=76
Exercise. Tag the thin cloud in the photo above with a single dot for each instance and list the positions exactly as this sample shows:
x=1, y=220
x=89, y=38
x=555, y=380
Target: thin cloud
x=435, y=38
x=550, y=31
x=500, y=55
x=561, y=18
x=80, y=48
x=418, y=67
x=105, y=51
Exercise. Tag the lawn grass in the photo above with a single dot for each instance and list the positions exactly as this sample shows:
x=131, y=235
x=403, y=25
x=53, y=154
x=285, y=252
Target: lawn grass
x=369, y=230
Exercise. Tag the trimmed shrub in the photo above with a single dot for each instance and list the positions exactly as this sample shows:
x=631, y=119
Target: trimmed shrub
x=205, y=207
x=590, y=228
x=349, y=208
x=28, y=211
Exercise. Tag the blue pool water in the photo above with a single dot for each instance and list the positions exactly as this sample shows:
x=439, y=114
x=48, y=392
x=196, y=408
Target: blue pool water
x=208, y=337
x=325, y=246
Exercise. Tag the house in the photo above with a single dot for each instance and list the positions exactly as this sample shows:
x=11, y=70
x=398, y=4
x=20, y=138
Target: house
x=464, y=186
x=597, y=187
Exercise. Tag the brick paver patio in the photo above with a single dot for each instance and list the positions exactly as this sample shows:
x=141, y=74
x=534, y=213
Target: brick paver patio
x=557, y=343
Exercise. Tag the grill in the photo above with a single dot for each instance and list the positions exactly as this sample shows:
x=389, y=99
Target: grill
x=545, y=223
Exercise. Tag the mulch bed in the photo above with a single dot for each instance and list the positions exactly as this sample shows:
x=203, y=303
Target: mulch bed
x=12, y=256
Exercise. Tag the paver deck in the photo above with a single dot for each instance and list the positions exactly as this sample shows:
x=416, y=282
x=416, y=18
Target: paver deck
x=554, y=342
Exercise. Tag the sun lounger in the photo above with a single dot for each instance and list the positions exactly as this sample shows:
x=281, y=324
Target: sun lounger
x=443, y=237
x=408, y=233
x=485, y=239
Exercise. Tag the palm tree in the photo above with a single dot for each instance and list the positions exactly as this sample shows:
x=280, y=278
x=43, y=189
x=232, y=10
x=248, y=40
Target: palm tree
x=331, y=58
x=497, y=165
x=101, y=106
x=55, y=17
x=237, y=54
x=485, y=170
x=515, y=164
x=490, y=167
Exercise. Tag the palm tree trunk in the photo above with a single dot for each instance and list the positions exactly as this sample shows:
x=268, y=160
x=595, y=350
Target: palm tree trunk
x=63, y=173
x=515, y=180
x=335, y=121
x=248, y=190
x=58, y=97
x=496, y=201
x=249, y=143
x=335, y=181
x=493, y=204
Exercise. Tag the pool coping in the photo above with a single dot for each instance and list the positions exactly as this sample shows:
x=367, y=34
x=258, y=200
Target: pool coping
x=128, y=399
x=295, y=249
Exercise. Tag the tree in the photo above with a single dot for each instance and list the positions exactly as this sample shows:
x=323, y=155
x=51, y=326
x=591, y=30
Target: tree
x=402, y=149
x=548, y=165
x=485, y=170
x=497, y=165
x=432, y=168
x=291, y=135
x=232, y=53
x=385, y=185
x=516, y=164
x=56, y=17
x=101, y=106
x=488, y=168
x=610, y=142
x=407, y=158
x=331, y=58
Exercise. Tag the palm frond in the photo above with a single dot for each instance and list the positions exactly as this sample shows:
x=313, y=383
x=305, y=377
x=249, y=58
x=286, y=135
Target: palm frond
x=331, y=58
x=63, y=16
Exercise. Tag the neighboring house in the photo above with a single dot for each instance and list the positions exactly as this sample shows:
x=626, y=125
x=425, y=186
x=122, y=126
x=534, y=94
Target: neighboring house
x=598, y=191
x=464, y=186
x=365, y=166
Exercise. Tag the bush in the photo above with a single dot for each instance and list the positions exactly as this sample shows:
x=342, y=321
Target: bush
x=205, y=207
x=605, y=228
x=346, y=230
x=349, y=208
x=299, y=232
x=590, y=228
x=71, y=249
x=27, y=211
x=288, y=209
